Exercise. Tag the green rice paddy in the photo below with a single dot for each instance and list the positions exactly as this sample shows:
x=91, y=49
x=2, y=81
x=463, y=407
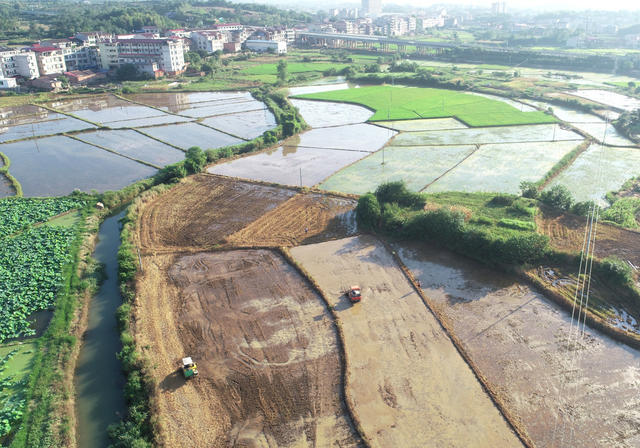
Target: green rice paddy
x=403, y=103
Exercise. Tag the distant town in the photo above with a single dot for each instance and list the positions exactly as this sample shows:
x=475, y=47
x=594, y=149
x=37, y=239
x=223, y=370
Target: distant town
x=91, y=56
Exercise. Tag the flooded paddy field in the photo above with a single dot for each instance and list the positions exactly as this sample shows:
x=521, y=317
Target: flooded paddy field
x=187, y=135
x=178, y=102
x=599, y=170
x=407, y=383
x=589, y=123
x=55, y=166
x=247, y=125
x=565, y=395
x=32, y=121
x=266, y=346
x=353, y=137
x=428, y=124
x=203, y=210
x=608, y=98
x=221, y=108
x=147, y=121
x=505, y=134
x=303, y=219
x=133, y=144
x=319, y=114
x=501, y=168
x=417, y=166
x=300, y=166
x=104, y=109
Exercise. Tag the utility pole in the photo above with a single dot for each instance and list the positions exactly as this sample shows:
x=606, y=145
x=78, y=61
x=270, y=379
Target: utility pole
x=300, y=177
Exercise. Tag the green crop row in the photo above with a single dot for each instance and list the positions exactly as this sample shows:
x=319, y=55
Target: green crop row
x=31, y=266
x=18, y=213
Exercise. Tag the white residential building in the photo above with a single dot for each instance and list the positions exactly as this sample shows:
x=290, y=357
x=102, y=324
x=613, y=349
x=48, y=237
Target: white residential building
x=8, y=83
x=207, y=40
x=14, y=62
x=76, y=56
x=50, y=60
x=261, y=46
x=166, y=55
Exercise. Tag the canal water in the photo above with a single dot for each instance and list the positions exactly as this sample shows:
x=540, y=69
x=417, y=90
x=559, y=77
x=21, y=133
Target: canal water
x=99, y=380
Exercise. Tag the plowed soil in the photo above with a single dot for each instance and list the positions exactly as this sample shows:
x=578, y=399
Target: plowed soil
x=203, y=210
x=408, y=385
x=265, y=345
x=566, y=394
x=304, y=219
x=566, y=233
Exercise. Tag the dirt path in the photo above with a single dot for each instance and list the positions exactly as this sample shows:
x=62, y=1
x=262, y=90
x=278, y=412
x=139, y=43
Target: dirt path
x=408, y=384
x=303, y=219
x=566, y=232
x=564, y=397
x=203, y=210
x=266, y=349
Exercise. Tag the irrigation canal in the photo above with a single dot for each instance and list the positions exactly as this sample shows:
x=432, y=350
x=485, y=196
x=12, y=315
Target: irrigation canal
x=99, y=380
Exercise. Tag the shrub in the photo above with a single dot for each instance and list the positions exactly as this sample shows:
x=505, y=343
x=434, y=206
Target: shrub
x=215, y=154
x=393, y=217
x=397, y=192
x=558, y=196
x=529, y=189
x=615, y=271
x=171, y=173
x=368, y=211
x=442, y=225
x=623, y=212
x=195, y=161
x=584, y=208
x=502, y=199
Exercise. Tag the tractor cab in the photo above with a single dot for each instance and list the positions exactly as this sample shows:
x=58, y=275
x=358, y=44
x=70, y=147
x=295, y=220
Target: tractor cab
x=355, y=294
x=189, y=368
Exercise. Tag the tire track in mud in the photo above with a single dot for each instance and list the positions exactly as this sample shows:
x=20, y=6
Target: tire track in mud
x=397, y=354
x=265, y=345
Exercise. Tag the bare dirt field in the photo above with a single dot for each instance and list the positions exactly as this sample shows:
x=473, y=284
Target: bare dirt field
x=266, y=349
x=566, y=395
x=203, y=210
x=303, y=219
x=566, y=232
x=408, y=385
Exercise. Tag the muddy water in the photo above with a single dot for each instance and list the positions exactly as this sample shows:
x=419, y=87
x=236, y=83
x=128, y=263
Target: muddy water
x=191, y=134
x=319, y=114
x=309, y=158
x=55, y=166
x=98, y=379
x=104, y=109
x=177, y=102
x=135, y=145
x=519, y=340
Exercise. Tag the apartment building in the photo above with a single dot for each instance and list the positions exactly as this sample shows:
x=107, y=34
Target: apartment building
x=208, y=40
x=14, y=62
x=50, y=59
x=77, y=54
x=149, y=55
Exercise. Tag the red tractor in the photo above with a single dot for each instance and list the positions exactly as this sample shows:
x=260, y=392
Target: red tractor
x=354, y=294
